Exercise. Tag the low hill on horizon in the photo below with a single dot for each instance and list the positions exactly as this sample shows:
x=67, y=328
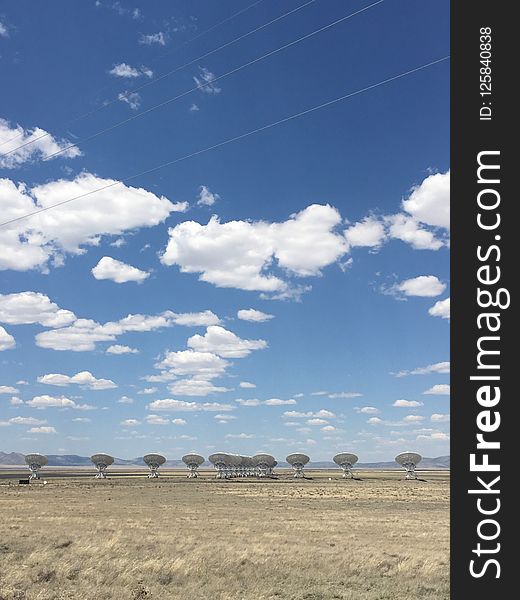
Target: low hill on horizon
x=73, y=460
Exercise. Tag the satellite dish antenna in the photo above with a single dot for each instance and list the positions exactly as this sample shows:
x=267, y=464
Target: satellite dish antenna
x=244, y=466
x=264, y=464
x=247, y=466
x=250, y=468
x=35, y=462
x=101, y=462
x=220, y=461
x=234, y=465
x=346, y=460
x=193, y=462
x=154, y=461
x=298, y=461
x=409, y=460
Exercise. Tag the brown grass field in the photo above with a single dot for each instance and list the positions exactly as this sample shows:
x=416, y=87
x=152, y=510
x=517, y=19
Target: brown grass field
x=130, y=538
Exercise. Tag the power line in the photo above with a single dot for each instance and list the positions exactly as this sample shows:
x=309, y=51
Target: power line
x=164, y=75
x=199, y=35
x=226, y=45
x=213, y=81
x=233, y=139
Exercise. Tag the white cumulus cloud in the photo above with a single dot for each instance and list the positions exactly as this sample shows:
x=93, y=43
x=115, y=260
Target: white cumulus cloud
x=125, y=400
x=206, y=197
x=21, y=145
x=133, y=99
x=153, y=38
x=368, y=410
x=248, y=401
x=27, y=308
x=440, y=367
x=120, y=349
x=423, y=223
x=205, y=80
x=157, y=420
x=268, y=402
x=71, y=228
x=441, y=309
x=7, y=389
x=83, y=378
x=409, y=230
x=46, y=401
x=320, y=414
x=413, y=419
x=120, y=272
x=126, y=71
x=194, y=319
x=222, y=342
x=171, y=405
x=44, y=429
x=336, y=395
x=147, y=391
x=253, y=315
x=247, y=385
x=407, y=403
x=241, y=254
x=279, y=402
x=426, y=286
x=84, y=334
x=316, y=422
x=441, y=389
x=203, y=365
x=436, y=436
x=439, y=418
x=224, y=418
x=27, y=421
x=369, y=232
x=195, y=387
x=130, y=423
x=429, y=202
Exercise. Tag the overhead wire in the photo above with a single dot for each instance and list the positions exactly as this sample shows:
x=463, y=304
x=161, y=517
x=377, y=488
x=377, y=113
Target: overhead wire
x=155, y=59
x=212, y=82
x=231, y=140
x=164, y=75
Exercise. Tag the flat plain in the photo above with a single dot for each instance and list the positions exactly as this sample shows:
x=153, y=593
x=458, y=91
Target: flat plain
x=130, y=538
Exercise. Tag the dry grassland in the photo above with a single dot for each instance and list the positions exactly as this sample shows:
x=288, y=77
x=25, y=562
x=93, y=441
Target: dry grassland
x=129, y=538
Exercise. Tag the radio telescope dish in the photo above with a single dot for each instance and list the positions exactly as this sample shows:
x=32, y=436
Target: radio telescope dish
x=346, y=460
x=193, y=462
x=249, y=466
x=244, y=466
x=35, y=462
x=154, y=461
x=234, y=462
x=298, y=461
x=101, y=462
x=264, y=464
x=409, y=460
x=220, y=461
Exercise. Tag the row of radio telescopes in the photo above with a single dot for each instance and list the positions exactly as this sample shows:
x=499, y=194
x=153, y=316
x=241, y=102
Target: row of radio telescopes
x=232, y=465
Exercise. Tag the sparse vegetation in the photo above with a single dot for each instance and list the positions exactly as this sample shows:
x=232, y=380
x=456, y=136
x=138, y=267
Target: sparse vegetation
x=381, y=538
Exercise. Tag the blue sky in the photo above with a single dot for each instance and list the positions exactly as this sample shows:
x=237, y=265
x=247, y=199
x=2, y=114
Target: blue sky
x=310, y=260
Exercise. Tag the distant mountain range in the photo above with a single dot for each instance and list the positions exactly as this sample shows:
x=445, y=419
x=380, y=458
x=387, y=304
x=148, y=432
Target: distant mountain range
x=73, y=460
